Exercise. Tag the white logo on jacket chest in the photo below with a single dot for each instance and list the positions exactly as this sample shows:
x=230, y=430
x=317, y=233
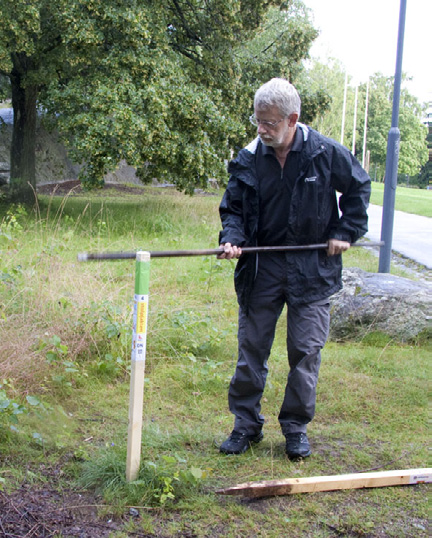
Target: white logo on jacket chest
x=310, y=179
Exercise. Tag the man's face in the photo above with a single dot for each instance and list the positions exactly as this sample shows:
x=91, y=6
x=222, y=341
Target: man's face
x=281, y=134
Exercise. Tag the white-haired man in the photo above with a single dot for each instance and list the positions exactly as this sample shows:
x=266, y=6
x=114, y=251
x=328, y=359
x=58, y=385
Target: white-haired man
x=282, y=191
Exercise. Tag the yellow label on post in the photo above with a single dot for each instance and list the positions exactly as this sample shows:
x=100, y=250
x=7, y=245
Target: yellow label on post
x=141, y=322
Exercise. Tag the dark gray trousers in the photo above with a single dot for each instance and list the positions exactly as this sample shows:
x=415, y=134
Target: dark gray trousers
x=307, y=332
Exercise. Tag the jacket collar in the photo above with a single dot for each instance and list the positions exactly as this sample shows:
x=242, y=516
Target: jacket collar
x=243, y=166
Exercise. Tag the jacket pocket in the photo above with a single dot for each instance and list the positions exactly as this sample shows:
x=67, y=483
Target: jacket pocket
x=304, y=215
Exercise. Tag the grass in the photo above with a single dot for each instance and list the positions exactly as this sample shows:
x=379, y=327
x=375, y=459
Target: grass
x=416, y=201
x=65, y=332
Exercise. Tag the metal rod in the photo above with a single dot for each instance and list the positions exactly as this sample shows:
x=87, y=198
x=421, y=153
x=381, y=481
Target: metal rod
x=90, y=256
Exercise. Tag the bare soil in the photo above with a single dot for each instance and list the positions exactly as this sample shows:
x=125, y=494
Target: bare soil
x=29, y=512
x=46, y=512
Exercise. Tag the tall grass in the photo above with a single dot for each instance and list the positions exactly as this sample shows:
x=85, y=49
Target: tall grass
x=65, y=331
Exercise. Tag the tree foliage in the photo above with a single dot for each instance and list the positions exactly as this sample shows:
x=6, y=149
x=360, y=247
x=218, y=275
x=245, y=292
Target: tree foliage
x=5, y=90
x=413, y=145
x=329, y=78
x=278, y=49
x=164, y=84
x=413, y=152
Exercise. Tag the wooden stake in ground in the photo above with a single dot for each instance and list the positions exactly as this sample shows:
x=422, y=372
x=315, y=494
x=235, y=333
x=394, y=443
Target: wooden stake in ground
x=329, y=483
x=138, y=356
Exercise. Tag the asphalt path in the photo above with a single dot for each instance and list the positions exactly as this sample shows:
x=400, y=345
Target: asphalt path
x=412, y=234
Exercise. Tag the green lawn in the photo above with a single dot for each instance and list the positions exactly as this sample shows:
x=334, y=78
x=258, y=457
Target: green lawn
x=417, y=201
x=65, y=336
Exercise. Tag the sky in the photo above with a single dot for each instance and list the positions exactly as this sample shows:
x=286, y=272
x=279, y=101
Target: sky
x=363, y=35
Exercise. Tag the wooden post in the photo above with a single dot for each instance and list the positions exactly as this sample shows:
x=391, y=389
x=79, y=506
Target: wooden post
x=138, y=356
x=329, y=483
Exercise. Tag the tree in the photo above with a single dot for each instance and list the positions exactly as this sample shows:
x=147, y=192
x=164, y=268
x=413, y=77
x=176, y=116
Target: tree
x=5, y=90
x=329, y=78
x=413, y=146
x=278, y=49
x=157, y=83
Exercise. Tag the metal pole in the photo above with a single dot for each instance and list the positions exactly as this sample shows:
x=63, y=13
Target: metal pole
x=390, y=180
x=93, y=256
x=344, y=109
x=365, y=127
x=138, y=356
x=355, y=121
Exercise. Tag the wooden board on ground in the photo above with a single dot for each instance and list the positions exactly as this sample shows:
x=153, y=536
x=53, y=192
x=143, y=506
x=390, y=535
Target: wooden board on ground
x=313, y=484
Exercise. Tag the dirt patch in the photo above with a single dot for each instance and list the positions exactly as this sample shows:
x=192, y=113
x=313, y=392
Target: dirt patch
x=37, y=513
x=31, y=511
x=45, y=513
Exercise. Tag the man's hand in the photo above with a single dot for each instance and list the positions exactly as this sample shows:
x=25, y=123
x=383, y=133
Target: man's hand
x=335, y=246
x=230, y=252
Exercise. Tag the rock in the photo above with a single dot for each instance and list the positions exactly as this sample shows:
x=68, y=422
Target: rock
x=123, y=174
x=52, y=159
x=396, y=306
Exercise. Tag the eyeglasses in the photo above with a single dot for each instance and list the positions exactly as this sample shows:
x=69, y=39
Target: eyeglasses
x=269, y=124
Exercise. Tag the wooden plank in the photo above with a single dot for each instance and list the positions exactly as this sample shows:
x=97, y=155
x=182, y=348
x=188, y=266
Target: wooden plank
x=290, y=486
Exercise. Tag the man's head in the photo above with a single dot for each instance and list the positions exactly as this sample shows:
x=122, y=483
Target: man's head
x=280, y=93
x=277, y=109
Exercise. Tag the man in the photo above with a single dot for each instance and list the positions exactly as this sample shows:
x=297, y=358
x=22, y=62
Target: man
x=282, y=191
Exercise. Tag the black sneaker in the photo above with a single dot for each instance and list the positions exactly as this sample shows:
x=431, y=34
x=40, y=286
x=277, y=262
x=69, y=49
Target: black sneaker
x=238, y=443
x=297, y=446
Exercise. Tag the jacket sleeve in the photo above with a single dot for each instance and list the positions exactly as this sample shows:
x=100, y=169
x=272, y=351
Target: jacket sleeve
x=232, y=215
x=354, y=184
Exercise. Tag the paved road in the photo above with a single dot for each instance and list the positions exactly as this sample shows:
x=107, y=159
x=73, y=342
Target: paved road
x=6, y=114
x=412, y=234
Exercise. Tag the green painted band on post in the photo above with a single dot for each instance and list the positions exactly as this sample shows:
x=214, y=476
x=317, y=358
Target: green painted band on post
x=142, y=273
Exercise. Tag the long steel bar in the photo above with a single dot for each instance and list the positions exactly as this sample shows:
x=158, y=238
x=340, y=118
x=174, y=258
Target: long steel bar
x=90, y=256
x=392, y=158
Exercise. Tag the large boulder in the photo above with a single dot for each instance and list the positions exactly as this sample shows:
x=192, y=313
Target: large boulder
x=396, y=306
x=52, y=159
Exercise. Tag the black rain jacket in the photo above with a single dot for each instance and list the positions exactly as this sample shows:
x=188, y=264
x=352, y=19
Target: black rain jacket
x=326, y=167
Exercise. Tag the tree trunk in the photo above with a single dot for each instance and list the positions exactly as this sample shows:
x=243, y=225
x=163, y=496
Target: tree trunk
x=23, y=149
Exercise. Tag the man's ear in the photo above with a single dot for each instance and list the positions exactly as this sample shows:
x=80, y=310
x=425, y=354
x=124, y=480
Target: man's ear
x=293, y=119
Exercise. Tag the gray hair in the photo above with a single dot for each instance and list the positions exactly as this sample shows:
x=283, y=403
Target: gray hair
x=278, y=92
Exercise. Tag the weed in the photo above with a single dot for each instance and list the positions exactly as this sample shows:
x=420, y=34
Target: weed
x=110, y=328
x=160, y=481
x=10, y=225
x=64, y=370
x=198, y=332
x=11, y=408
x=11, y=276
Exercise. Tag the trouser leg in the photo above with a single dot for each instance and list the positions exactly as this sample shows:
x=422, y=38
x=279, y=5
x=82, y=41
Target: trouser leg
x=308, y=326
x=255, y=338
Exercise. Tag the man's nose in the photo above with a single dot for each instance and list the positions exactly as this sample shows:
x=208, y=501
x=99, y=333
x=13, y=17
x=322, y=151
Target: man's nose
x=261, y=128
